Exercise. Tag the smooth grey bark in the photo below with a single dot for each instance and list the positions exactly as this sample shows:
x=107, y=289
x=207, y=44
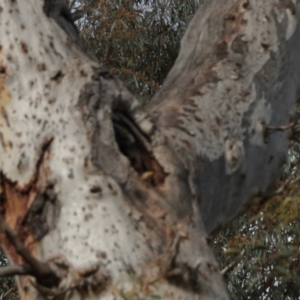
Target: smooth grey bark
x=231, y=82
x=104, y=199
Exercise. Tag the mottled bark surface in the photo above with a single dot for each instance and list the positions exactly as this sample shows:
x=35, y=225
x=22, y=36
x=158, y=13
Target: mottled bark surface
x=235, y=76
x=104, y=199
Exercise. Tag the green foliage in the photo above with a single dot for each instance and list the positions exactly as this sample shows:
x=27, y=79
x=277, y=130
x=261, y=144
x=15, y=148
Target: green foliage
x=138, y=40
x=8, y=287
x=269, y=236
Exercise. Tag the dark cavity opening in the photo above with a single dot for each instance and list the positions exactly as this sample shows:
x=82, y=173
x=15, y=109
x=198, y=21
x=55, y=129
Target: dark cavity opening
x=136, y=147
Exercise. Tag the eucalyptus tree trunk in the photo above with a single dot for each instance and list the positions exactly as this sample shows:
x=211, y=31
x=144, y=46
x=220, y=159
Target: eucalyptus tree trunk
x=104, y=199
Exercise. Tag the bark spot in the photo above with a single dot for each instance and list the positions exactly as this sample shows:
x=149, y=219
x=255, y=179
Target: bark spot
x=31, y=83
x=58, y=76
x=24, y=47
x=88, y=216
x=2, y=70
x=266, y=46
x=239, y=46
x=246, y=4
x=83, y=73
x=211, y=76
x=101, y=255
x=218, y=121
x=95, y=189
x=270, y=159
x=41, y=67
x=221, y=51
x=230, y=17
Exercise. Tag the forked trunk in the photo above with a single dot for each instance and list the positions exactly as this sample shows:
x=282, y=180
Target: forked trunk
x=104, y=199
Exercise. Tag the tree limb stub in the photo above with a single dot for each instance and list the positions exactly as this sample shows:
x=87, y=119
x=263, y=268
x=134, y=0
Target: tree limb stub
x=133, y=191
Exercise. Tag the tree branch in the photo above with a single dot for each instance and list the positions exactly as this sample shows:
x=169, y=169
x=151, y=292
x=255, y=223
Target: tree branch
x=15, y=270
x=38, y=269
x=232, y=264
x=220, y=90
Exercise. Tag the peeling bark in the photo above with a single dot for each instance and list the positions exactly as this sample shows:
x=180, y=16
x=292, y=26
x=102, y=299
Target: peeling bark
x=113, y=200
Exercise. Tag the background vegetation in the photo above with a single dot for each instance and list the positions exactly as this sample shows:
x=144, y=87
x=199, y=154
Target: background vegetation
x=138, y=40
x=8, y=287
